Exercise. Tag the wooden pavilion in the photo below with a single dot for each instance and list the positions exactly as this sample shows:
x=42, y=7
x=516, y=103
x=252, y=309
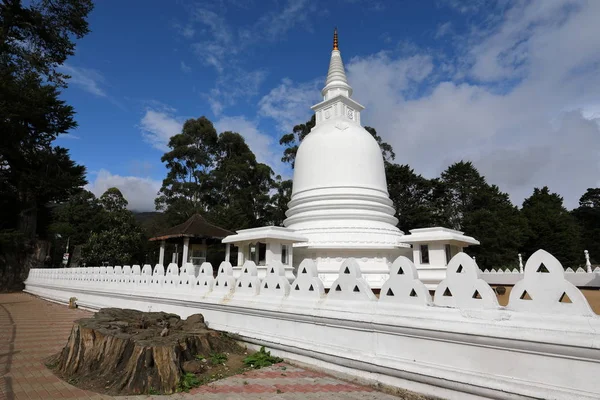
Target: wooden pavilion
x=197, y=233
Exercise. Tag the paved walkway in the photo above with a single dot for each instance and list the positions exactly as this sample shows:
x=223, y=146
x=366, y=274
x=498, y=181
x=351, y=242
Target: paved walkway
x=32, y=329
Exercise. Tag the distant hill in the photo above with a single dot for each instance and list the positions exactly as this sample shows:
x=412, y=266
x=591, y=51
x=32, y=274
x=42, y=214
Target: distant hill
x=152, y=222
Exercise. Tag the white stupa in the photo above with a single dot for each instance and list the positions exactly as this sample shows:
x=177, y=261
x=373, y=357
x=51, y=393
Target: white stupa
x=340, y=201
x=340, y=207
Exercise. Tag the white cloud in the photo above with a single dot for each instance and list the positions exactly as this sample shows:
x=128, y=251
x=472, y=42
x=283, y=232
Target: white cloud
x=518, y=117
x=158, y=126
x=443, y=29
x=69, y=136
x=289, y=104
x=139, y=192
x=187, y=31
x=185, y=68
x=87, y=79
x=224, y=45
x=230, y=87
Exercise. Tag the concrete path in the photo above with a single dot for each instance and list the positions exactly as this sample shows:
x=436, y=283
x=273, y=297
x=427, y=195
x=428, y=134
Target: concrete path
x=32, y=329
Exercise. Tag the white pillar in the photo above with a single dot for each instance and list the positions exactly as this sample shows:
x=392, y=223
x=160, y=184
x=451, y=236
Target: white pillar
x=240, y=260
x=186, y=247
x=588, y=264
x=520, y=263
x=269, y=252
x=227, y=252
x=161, y=255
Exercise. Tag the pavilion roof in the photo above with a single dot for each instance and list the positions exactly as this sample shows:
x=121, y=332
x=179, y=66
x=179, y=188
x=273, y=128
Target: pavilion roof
x=195, y=226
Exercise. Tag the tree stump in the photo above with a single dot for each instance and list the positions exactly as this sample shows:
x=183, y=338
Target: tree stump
x=124, y=351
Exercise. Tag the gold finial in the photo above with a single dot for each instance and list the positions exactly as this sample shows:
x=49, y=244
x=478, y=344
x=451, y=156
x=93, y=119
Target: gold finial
x=335, y=39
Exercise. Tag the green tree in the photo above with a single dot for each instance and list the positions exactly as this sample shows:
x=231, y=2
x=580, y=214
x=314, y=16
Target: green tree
x=588, y=218
x=292, y=140
x=78, y=218
x=468, y=203
x=462, y=184
x=216, y=175
x=113, y=201
x=552, y=227
x=122, y=240
x=34, y=41
x=186, y=189
x=413, y=197
x=280, y=199
x=240, y=185
x=386, y=149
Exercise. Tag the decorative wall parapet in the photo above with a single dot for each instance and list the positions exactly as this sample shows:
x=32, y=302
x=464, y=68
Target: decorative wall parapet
x=404, y=286
x=463, y=343
x=463, y=287
x=544, y=289
x=350, y=285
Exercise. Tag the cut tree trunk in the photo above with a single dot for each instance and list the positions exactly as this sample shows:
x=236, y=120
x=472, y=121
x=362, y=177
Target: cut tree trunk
x=123, y=350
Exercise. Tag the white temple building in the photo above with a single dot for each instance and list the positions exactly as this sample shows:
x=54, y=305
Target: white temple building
x=340, y=206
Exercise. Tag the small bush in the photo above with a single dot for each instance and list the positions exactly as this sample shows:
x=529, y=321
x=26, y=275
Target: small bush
x=218, y=358
x=187, y=382
x=261, y=358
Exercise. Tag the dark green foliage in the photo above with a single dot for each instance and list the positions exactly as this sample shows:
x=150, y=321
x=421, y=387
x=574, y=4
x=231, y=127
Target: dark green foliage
x=292, y=140
x=120, y=240
x=587, y=216
x=280, y=199
x=188, y=382
x=468, y=203
x=218, y=358
x=187, y=187
x=217, y=176
x=386, y=149
x=261, y=358
x=34, y=41
x=552, y=228
x=414, y=197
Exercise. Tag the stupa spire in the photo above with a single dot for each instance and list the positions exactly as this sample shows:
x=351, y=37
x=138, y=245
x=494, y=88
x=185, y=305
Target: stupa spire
x=336, y=82
x=335, y=39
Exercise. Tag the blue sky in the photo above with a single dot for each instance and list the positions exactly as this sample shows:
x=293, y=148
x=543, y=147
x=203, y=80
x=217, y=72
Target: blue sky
x=513, y=86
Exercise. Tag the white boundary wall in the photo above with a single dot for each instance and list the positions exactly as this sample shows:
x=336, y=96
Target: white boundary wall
x=579, y=278
x=459, y=344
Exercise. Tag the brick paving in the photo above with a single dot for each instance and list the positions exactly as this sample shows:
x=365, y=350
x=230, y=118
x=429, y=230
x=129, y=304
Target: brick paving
x=32, y=329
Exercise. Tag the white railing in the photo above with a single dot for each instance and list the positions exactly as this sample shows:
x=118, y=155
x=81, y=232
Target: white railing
x=456, y=343
x=588, y=277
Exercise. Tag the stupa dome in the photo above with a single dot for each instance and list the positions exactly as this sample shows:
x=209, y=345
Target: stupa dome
x=342, y=156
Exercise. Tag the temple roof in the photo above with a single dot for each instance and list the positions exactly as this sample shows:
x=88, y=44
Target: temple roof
x=197, y=227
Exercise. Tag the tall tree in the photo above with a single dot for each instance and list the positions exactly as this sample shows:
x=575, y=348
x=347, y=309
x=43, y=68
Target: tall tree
x=413, y=197
x=468, y=203
x=280, y=199
x=462, y=183
x=121, y=241
x=186, y=188
x=553, y=228
x=292, y=140
x=241, y=185
x=588, y=218
x=386, y=149
x=216, y=175
x=34, y=41
x=78, y=218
